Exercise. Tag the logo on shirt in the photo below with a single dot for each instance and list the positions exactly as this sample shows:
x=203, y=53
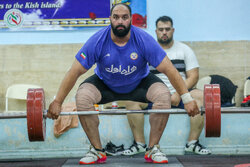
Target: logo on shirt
x=124, y=71
x=107, y=55
x=83, y=55
x=133, y=56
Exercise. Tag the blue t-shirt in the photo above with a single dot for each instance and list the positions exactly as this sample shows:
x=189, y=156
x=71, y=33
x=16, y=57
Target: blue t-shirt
x=121, y=67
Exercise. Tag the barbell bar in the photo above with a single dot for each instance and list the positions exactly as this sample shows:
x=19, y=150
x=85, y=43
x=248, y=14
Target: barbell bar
x=36, y=115
x=225, y=110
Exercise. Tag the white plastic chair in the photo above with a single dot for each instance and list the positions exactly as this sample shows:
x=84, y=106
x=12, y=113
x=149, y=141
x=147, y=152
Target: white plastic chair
x=205, y=80
x=247, y=88
x=17, y=91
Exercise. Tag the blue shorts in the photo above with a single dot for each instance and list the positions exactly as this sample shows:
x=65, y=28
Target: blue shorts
x=181, y=105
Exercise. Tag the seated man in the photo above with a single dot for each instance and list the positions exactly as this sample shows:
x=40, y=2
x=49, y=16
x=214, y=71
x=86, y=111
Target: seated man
x=122, y=53
x=185, y=61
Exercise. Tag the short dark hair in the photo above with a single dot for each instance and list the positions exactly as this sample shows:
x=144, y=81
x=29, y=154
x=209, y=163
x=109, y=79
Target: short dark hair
x=112, y=8
x=164, y=19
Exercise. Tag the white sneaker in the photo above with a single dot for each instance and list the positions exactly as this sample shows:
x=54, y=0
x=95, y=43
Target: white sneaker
x=155, y=155
x=135, y=148
x=93, y=156
x=197, y=148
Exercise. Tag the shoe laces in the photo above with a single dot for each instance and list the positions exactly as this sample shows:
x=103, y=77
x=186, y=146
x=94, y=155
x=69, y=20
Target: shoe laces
x=134, y=145
x=110, y=145
x=155, y=151
x=112, y=148
x=197, y=144
x=92, y=153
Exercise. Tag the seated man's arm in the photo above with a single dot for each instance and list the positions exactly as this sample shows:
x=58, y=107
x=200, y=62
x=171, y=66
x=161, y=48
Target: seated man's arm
x=173, y=75
x=192, y=77
x=178, y=83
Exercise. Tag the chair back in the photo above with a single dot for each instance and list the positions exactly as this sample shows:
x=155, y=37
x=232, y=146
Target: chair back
x=205, y=80
x=17, y=91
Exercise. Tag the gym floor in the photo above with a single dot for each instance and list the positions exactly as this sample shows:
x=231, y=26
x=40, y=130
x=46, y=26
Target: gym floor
x=138, y=160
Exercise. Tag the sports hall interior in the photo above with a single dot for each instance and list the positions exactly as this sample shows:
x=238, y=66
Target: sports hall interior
x=217, y=31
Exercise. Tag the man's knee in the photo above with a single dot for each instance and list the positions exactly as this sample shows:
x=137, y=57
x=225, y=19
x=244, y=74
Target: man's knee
x=159, y=95
x=87, y=95
x=197, y=95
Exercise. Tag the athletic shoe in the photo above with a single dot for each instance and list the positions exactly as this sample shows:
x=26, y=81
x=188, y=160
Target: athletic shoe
x=155, y=155
x=93, y=156
x=113, y=150
x=246, y=102
x=135, y=148
x=197, y=148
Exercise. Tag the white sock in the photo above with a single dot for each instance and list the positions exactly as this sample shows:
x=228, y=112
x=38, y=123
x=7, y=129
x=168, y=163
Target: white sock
x=191, y=142
x=139, y=143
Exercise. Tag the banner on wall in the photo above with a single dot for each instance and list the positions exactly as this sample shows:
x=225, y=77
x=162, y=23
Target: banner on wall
x=139, y=14
x=30, y=15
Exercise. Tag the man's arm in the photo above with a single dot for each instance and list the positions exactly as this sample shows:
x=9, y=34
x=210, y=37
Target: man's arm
x=66, y=85
x=173, y=75
x=192, y=77
x=178, y=83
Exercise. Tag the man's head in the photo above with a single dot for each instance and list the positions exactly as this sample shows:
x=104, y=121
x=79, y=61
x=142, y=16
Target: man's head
x=120, y=18
x=164, y=29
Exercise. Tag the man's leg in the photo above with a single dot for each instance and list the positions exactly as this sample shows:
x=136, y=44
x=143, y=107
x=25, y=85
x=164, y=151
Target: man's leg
x=136, y=121
x=88, y=95
x=197, y=122
x=159, y=94
x=196, y=126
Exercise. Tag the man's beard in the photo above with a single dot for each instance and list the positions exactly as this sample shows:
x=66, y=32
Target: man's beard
x=167, y=41
x=121, y=32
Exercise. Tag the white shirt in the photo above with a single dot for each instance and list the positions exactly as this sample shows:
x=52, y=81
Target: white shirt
x=183, y=58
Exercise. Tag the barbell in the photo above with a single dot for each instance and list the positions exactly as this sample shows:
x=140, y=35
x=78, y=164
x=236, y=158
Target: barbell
x=36, y=115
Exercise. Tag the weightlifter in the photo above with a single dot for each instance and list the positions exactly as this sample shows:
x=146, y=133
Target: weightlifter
x=122, y=52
